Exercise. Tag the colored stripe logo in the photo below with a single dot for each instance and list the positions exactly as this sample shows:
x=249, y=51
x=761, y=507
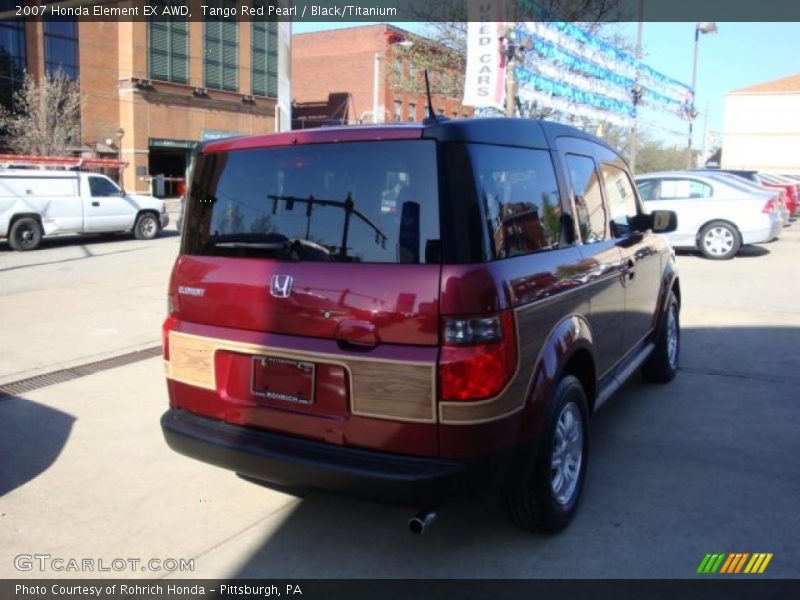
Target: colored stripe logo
x=734, y=562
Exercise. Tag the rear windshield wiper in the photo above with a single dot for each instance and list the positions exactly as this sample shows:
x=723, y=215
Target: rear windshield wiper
x=258, y=245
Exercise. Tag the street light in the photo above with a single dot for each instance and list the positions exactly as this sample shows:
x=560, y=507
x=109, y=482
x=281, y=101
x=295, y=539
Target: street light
x=377, y=75
x=704, y=27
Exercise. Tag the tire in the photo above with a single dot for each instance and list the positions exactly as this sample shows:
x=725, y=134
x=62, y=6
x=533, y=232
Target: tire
x=147, y=226
x=547, y=501
x=25, y=234
x=719, y=240
x=662, y=365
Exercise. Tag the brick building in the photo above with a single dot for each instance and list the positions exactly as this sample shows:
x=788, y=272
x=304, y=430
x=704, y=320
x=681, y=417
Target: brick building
x=152, y=90
x=334, y=78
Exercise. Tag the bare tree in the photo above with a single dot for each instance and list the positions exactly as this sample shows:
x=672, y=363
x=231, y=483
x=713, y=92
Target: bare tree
x=46, y=121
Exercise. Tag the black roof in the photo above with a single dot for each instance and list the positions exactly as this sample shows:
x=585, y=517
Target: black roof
x=506, y=131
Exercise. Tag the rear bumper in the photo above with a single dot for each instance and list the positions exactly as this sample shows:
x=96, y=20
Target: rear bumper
x=298, y=464
x=770, y=230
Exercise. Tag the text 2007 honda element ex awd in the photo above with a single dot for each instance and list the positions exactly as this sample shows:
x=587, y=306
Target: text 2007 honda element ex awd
x=413, y=312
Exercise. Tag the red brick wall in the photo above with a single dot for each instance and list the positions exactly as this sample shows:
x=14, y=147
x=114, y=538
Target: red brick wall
x=338, y=61
x=342, y=61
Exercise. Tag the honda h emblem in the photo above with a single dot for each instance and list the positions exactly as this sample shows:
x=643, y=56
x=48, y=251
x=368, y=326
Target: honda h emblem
x=280, y=286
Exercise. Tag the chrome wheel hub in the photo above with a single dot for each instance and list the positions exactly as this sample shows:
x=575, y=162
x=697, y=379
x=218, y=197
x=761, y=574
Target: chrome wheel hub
x=718, y=241
x=672, y=337
x=148, y=227
x=565, y=465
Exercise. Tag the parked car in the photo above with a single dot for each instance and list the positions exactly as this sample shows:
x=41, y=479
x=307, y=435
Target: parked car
x=790, y=187
x=715, y=215
x=781, y=207
x=789, y=202
x=35, y=203
x=414, y=312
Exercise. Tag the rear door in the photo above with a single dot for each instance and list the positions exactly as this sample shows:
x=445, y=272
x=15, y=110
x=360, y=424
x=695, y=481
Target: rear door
x=601, y=266
x=327, y=254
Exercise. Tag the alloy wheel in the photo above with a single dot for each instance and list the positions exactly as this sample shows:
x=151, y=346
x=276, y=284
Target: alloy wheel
x=565, y=464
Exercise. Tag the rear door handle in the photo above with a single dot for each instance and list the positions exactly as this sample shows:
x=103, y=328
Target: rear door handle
x=629, y=268
x=95, y=203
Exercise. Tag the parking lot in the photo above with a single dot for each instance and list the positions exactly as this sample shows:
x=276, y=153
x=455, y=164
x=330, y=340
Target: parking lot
x=705, y=464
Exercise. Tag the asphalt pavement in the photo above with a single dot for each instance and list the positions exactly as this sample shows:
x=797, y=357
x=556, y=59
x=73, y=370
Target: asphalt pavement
x=705, y=464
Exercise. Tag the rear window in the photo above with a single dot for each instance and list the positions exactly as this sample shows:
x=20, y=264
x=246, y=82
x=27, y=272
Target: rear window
x=373, y=202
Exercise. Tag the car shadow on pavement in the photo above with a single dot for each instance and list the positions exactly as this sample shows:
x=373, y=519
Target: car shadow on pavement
x=86, y=254
x=101, y=239
x=752, y=251
x=32, y=436
x=677, y=468
x=747, y=251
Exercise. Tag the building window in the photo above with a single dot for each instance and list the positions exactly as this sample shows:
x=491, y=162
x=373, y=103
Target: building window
x=168, y=49
x=398, y=110
x=61, y=48
x=264, y=55
x=398, y=69
x=412, y=111
x=222, y=54
x=12, y=56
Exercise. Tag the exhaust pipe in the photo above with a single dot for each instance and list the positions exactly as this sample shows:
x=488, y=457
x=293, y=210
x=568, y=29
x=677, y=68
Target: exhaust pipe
x=420, y=523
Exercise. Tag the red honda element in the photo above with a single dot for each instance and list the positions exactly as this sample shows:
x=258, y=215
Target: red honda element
x=414, y=312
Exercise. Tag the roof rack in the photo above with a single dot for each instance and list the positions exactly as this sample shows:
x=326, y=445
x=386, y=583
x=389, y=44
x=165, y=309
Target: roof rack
x=60, y=162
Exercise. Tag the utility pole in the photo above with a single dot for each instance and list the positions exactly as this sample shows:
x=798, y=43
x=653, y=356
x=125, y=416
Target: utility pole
x=636, y=91
x=511, y=109
x=704, y=27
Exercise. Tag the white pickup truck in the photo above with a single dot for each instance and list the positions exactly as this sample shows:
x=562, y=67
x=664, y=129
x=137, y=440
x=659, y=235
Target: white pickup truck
x=36, y=203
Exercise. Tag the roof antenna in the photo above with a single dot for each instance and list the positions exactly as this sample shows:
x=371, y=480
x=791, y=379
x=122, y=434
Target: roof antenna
x=432, y=117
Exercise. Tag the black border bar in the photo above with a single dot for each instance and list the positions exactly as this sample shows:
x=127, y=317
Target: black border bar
x=714, y=587
x=426, y=10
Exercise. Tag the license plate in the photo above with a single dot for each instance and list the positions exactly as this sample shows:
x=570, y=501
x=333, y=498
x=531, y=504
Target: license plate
x=283, y=379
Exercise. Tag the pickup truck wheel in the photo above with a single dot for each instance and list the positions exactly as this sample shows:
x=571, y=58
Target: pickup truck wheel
x=719, y=240
x=26, y=234
x=147, y=227
x=549, y=498
x=662, y=365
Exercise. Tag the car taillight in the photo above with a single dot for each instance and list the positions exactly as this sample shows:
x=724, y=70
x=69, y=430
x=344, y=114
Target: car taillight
x=769, y=207
x=169, y=323
x=479, y=356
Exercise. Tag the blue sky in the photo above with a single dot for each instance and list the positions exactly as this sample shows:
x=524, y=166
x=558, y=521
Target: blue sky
x=739, y=55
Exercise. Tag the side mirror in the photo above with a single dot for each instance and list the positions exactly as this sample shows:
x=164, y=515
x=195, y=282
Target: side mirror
x=659, y=221
x=664, y=221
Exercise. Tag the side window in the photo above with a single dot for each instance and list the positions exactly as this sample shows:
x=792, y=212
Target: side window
x=520, y=194
x=674, y=189
x=620, y=198
x=647, y=189
x=101, y=187
x=589, y=209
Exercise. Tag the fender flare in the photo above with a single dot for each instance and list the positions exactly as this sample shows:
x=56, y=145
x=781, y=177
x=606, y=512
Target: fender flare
x=570, y=336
